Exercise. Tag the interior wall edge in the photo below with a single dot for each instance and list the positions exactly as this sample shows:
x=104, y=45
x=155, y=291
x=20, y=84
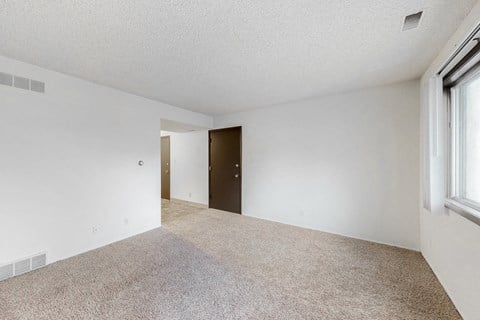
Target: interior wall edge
x=355, y=154
x=449, y=242
x=71, y=179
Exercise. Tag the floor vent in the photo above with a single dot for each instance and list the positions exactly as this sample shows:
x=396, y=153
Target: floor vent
x=23, y=266
x=6, y=271
x=21, y=82
x=39, y=261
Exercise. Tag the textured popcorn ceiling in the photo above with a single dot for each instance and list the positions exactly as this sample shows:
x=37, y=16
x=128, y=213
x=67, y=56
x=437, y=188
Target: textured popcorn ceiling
x=221, y=56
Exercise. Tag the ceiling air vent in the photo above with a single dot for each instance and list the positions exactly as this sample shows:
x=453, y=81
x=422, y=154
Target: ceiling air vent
x=10, y=80
x=6, y=79
x=21, y=82
x=37, y=86
x=412, y=21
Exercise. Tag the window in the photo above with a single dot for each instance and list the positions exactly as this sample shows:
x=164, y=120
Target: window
x=464, y=98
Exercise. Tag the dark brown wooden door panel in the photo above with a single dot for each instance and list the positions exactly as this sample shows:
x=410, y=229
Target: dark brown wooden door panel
x=225, y=169
x=165, y=167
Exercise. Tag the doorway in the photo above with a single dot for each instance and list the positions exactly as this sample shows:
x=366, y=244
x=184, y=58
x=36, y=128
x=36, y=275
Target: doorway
x=165, y=167
x=225, y=169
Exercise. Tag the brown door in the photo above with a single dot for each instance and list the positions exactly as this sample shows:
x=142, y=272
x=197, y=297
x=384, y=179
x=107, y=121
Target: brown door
x=165, y=156
x=225, y=168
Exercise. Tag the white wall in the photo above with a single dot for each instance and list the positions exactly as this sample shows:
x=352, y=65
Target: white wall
x=68, y=163
x=346, y=164
x=449, y=242
x=189, y=166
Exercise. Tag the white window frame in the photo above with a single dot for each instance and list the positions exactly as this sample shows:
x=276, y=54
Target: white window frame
x=456, y=199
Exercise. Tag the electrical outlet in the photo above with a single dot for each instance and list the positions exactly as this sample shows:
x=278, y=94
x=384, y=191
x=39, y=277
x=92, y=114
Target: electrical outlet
x=189, y=194
x=125, y=221
x=94, y=230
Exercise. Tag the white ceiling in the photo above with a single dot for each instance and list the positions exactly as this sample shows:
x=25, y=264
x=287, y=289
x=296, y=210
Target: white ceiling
x=222, y=56
x=175, y=126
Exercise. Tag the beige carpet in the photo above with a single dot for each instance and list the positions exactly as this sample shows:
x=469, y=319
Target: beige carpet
x=215, y=265
x=175, y=209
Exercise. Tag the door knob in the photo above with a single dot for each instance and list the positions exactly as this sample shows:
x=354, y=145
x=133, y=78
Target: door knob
x=236, y=175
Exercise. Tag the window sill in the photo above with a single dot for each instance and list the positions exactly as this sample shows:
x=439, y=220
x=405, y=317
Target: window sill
x=463, y=210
